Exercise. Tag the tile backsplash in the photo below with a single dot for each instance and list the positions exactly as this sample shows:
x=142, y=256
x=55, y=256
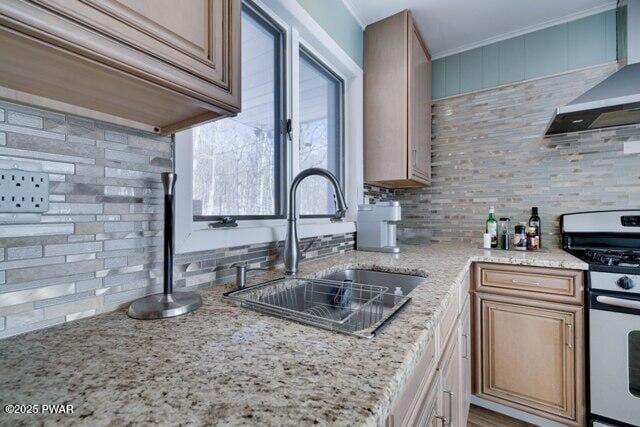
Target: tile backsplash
x=489, y=149
x=99, y=246
x=374, y=194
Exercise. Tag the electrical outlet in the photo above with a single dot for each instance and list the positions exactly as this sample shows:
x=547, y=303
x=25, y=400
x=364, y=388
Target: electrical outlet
x=632, y=147
x=24, y=188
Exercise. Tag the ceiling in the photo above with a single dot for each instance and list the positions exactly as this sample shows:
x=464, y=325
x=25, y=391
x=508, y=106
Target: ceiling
x=452, y=26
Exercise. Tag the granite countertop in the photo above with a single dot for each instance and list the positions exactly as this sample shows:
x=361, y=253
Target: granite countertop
x=227, y=365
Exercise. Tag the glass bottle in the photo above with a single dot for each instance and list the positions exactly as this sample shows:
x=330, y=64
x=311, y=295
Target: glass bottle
x=503, y=234
x=534, y=222
x=492, y=227
x=520, y=237
x=533, y=240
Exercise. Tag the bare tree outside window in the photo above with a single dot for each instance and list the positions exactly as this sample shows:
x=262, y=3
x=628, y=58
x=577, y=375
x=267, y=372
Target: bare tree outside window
x=234, y=175
x=236, y=170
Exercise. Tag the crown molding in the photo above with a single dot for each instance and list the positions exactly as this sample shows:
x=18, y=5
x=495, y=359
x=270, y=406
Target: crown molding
x=526, y=30
x=355, y=12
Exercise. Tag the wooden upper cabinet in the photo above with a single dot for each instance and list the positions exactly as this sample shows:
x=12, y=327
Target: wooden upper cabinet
x=419, y=107
x=397, y=104
x=160, y=65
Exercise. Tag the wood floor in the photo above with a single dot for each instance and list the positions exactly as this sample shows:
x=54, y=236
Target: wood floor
x=480, y=417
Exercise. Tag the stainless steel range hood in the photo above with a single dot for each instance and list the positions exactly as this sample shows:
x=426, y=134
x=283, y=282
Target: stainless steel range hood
x=616, y=100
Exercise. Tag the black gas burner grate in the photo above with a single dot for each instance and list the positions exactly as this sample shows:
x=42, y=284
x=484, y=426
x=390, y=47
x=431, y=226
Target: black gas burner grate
x=617, y=258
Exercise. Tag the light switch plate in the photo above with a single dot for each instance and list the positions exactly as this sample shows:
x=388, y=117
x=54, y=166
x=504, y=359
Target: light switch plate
x=24, y=191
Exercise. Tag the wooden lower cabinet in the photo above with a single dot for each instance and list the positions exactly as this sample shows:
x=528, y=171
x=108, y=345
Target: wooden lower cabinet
x=427, y=413
x=438, y=391
x=449, y=371
x=529, y=356
x=464, y=338
x=438, y=401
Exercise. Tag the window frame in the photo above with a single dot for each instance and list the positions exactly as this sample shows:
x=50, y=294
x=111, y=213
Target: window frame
x=302, y=31
x=325, y=69
x=281, y=160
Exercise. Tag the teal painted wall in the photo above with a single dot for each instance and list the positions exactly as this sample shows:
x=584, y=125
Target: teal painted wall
x=335, y=19
x=576, y=44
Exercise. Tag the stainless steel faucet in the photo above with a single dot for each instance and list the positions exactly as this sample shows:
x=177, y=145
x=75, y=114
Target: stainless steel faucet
x=292, y=252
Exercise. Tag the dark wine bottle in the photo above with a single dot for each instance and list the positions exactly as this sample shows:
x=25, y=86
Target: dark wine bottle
x=534, y=222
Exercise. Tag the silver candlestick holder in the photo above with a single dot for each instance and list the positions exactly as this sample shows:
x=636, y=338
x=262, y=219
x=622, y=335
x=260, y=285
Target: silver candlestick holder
x=168, y=303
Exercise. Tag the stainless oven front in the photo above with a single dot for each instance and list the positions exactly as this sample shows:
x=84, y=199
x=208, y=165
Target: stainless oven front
x=614, y=357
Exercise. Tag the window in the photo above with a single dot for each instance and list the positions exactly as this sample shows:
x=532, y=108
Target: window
x=301, y=108
x=238, y=161
x=320, y=95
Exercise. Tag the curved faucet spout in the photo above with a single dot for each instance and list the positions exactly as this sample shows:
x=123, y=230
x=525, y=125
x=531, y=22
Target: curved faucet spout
x=341, y=207
x=292, y=252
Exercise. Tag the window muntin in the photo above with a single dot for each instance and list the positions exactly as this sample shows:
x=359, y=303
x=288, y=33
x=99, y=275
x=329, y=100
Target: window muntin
x=321, y=133
x=238, y=162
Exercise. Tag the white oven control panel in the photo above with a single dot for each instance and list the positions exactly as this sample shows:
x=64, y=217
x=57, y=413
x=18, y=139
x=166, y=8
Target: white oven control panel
x=616, y=282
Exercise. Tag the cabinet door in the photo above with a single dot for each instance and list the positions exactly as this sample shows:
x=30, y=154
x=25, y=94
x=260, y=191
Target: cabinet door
x=192, y=49
x=158, y=65
x=527, y=357
x=431, y=407
x=417, y=392
x=450, y=383
x=419, y=107
x=191, y=38
x=385, y=102
x=465, y=363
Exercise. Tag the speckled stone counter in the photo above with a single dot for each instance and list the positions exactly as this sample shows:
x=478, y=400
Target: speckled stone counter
x=225, y=365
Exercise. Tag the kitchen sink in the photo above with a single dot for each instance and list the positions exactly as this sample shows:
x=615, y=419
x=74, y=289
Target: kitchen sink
x=353, y=301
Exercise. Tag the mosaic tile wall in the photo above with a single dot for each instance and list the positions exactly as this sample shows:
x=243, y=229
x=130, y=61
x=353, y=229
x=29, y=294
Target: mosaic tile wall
x=488, y=149
x=373, y=194
x=98, y=247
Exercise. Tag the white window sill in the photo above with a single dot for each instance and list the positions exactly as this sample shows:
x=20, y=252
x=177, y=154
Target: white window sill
x=203, y=239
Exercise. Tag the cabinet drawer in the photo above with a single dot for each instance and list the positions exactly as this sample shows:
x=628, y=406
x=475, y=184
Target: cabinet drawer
x=448, y=320
x=548, y=284
x=409, y=401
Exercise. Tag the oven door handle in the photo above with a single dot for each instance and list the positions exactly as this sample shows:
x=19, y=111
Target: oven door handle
x=618, y=302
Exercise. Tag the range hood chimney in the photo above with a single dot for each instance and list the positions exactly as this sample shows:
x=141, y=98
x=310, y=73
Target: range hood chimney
x=616, y=100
